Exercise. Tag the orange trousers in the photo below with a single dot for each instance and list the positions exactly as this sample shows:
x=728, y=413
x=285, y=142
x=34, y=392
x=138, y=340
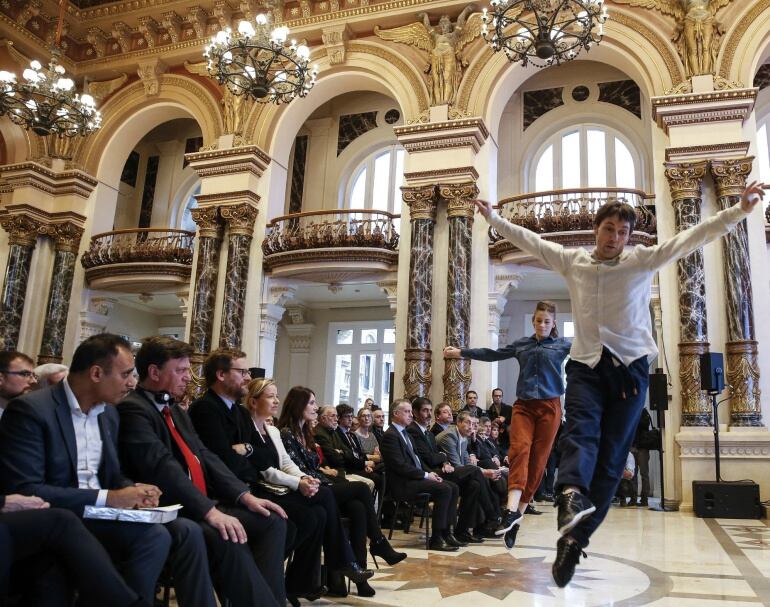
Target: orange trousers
x=534, y=424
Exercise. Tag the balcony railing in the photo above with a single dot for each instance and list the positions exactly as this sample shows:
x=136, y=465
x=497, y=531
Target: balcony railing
x=351, y=244
x=146, y=259
x=567, y=216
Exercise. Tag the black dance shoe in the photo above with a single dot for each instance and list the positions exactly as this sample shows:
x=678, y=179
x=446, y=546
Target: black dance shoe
x=573, y=508
x=567, y=557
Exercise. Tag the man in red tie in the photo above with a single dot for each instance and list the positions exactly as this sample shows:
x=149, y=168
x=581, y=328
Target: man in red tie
x=246, y=535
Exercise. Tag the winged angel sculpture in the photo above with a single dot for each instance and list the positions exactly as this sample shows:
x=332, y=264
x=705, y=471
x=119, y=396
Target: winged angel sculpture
x=444, y=43
x=698, y=31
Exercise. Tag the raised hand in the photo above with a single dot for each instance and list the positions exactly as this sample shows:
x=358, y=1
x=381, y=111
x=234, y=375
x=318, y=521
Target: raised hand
x=450, y=352
x=753, y=194
x=483, y=207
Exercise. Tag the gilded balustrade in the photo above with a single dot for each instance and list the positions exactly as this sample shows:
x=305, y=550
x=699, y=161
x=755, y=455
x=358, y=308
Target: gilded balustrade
x=139, y=245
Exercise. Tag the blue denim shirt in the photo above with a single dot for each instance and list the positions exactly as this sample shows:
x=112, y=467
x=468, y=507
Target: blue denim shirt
x=539, y=364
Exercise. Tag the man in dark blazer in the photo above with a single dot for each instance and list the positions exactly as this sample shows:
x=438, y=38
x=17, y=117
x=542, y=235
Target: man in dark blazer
x=443, y=418
x=158, y=444
x=477, y=504
x=472, y=403
x=337, y=452
x=352, y=446
x=46, y=552
x=60, y=444
x=501, y=413
x=407, y=477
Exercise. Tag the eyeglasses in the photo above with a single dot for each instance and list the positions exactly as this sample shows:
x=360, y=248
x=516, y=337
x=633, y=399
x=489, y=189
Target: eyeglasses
x=244, y=372
x=25, y=374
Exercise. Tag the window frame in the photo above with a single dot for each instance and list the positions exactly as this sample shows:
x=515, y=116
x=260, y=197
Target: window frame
x=368, y=164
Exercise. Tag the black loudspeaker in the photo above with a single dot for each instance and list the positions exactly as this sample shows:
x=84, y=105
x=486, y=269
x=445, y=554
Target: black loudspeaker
x=256, y=372
x=711, y=499
x=712, y=372
x=658, y=391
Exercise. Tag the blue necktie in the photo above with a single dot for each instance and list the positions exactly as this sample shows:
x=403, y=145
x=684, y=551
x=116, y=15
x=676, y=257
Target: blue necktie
x=411, y=450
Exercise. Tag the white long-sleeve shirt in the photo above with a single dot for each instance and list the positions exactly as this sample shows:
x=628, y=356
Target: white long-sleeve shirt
x=611, y=299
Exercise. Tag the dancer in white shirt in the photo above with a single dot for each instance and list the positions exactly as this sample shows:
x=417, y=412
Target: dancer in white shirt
x=607, y=375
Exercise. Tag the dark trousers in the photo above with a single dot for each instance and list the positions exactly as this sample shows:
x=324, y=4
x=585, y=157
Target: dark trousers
x=32, y=540
x=233, y=565
x=189, y=564
x=476, y=503
x=642, y=469
x=356, y=502
x=444, y=498
x=598, y=432
x=138, y=551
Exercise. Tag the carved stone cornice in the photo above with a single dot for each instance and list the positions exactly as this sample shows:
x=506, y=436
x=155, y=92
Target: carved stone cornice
x=229, y=161
x=730, y=175
x=685, y=179
x=459, y=173
x=149, y=73
x=421, y=202
x=240, y=218
x=692, y=153
x=23, y=230
x=35, y=175
x=66, y=236
x=64, y=228
x=465, y=133
x=227, y=198
x=335, y=39
x=208, y=221
x=459, y=198
x=702, y=108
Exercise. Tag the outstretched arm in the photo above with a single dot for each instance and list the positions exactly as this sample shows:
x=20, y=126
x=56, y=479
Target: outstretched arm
x=554, y=256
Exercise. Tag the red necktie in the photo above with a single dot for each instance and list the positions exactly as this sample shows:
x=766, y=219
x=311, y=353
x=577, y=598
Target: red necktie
x=193, y=464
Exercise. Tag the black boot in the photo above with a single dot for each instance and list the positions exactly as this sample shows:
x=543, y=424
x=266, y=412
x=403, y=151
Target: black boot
x=336, y=584
x=364, y=589
x=384, y=550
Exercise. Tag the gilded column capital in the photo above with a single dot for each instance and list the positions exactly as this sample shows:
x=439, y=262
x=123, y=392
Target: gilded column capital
x=240, y=218
x=421, y=201
x=23, y=230
x=208, y=221
x=685, y=179
x=66, y=236
x=730, y=175
x=459, y=197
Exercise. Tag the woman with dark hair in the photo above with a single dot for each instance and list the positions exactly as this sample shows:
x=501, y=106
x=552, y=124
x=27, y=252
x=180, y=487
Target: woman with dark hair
x=354, y=499
x=536, y=413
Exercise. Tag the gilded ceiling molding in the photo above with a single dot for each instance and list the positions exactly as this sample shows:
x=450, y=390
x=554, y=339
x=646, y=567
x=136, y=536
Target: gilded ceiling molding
x=187, y=92
x=736, y=35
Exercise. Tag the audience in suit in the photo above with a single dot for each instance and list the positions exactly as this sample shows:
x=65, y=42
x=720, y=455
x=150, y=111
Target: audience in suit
x=378, y=424
x=471, y=404
x=245, y=535
x=17, y=376
x=443, y=416
x=60, y=444
x=350, y=440
x=337, y=452
x=407, y=477
x=501, y=413
x=487, y=456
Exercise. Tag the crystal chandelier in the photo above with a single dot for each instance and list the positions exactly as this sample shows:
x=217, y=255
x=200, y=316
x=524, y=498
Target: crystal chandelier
x=543, y=32
x=47, y=102
x=260, y=62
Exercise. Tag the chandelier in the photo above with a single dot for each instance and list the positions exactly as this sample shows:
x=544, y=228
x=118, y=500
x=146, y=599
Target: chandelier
x=260, y=62
x=543, y=32
x=47, y=102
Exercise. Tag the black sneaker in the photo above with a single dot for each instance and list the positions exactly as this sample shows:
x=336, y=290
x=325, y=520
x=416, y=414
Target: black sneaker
x=510, y=537
x=532, y=510
x=573, y=508
x=567, y=557
x=510, y=519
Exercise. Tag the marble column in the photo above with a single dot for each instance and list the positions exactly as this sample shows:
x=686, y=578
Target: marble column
x=741, y=347
x=685, y=183
x=240, y=221
x=66, y=238
x=206, y=278
x=417, y=354
x=23, y=232
x=457, y=371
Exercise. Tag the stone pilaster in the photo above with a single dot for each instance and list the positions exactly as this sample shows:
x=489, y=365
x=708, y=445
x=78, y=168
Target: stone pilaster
x=210, y=231
x=685, y=180
x=457, y=371
x=742, y=364
x=23, y=231
x=417, y=355
x=66, y=237
x=240, y=220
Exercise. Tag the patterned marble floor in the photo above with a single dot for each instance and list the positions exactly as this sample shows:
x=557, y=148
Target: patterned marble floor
x=638, y=557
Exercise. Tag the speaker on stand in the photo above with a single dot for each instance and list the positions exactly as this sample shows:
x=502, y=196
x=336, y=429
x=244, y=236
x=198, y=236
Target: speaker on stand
x=659, y=403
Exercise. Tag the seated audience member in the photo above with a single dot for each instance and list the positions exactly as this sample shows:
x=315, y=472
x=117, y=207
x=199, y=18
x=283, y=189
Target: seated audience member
x=378, y=424
x=354, y=424
x=336, y=449
x=369, y=404
x=501, y=413
x=477, y=505
x=443, y=417
x=494, y=438
x=17, y=376
x=346, y=431
x=353, y=498
x=46, y=552
x=407, y=477
x=471, y=404
x=50, y=374
x=245, y=535
x=486, y=455
x=369, y=443
x=45, y=432
x=255, y=454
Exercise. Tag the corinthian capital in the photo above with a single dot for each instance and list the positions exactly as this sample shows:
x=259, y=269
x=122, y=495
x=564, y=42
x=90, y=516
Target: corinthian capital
x=240, y=218
x=23, y=230
x=421, y=201
x=459, y=197
x=685, y=179
x=730, y=175
x=66, y=236
x=208, y=222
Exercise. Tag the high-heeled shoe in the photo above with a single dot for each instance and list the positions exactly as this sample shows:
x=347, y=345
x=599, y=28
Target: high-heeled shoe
x=364, y=589
x=336, y=585
x=310, y=595
x=384, y=550
x=355, y=572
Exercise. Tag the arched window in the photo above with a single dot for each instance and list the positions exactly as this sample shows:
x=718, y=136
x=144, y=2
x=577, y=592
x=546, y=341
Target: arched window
x=187, y=222
x=585, y=156
x=763, y=149
x=376, y=181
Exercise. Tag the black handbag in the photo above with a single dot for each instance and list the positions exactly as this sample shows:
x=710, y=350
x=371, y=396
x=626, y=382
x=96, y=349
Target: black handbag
x=651, y=440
